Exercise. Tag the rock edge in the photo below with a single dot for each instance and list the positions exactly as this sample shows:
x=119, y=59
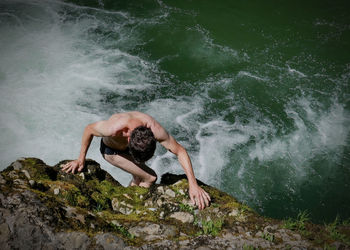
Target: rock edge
x=43, y=207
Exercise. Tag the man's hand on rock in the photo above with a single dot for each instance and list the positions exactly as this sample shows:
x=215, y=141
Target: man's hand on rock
x=199, y=197
x=71, y=166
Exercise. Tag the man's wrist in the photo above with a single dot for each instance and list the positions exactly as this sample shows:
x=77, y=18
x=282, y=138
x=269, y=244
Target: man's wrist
x=192, y=183
x=81, y=160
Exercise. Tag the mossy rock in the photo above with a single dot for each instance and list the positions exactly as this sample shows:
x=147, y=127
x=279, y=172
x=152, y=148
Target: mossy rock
x=92, y=202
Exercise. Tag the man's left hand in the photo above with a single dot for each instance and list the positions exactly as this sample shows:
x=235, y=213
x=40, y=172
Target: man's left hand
x=199, y=197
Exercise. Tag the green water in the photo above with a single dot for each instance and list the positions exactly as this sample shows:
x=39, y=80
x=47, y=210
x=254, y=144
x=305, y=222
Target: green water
x=257, y=91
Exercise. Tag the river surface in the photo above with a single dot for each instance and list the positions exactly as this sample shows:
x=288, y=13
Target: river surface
x=256, y=91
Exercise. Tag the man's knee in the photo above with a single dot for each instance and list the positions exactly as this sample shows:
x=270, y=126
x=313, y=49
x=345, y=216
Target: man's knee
x=113, y=159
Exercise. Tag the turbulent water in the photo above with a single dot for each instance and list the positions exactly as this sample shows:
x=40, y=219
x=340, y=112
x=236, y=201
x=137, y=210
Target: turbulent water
x=257, y=91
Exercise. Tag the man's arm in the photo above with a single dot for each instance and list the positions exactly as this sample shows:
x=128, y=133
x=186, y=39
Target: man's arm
x=197, y=194
x=99, y=129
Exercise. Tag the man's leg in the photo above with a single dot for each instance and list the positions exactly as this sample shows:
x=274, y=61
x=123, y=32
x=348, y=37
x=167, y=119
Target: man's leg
x=143, y=176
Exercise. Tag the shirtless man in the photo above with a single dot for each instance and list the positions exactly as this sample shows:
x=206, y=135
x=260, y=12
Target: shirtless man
x=128, y=140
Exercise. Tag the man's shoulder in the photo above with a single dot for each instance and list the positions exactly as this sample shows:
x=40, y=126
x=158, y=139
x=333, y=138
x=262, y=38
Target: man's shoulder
x=143, y=117
x=129, y=114
x=123, y=115
x=127, y=117
x=119, y=118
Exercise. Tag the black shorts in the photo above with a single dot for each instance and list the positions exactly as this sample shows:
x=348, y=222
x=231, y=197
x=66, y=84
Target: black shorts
x=104, y=149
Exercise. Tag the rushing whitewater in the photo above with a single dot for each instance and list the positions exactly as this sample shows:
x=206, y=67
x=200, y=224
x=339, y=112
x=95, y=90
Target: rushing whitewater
x=260, y=102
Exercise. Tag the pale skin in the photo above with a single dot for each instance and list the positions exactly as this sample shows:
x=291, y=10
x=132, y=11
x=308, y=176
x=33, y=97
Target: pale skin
x=116, y=133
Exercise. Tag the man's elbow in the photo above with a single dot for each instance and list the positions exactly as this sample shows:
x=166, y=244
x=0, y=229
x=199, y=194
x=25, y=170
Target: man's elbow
x=90, y=130
x=180, y=150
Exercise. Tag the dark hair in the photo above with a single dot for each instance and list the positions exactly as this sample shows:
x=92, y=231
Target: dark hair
x=142, y=144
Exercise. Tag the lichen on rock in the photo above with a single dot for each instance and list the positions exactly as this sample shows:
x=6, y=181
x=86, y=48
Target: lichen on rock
x=43, y=207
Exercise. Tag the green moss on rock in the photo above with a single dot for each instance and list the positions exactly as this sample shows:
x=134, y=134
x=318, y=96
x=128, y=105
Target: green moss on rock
x=93, y=202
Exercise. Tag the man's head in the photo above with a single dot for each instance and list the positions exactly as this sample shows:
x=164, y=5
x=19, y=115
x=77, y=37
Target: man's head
x=142, y=144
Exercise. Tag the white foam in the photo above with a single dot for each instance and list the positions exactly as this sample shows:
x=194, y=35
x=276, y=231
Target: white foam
x=333, y=127
x=171, y=113
x=245, y=73
x=300, y=146
x=296, y=72
x=204, y=49
x=51, y=72
x=215, y=142
x=182, y=119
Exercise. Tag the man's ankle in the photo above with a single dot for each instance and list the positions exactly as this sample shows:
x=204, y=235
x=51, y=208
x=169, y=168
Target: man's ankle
x=147, y=183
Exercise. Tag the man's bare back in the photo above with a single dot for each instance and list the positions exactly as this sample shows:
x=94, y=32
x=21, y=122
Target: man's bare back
x=116, y=133
x=131, y=120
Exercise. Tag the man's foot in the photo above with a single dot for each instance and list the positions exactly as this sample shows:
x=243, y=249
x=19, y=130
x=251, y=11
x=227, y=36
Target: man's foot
x=143, y=183
x=135, y=181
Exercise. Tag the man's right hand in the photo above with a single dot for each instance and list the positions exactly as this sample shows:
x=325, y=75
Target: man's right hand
x=71, y=166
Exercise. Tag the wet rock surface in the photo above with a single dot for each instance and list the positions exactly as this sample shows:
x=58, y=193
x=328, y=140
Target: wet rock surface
x=42, y=207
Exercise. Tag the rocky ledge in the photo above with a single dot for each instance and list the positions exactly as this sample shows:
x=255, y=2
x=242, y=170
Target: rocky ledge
x=42, y=207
